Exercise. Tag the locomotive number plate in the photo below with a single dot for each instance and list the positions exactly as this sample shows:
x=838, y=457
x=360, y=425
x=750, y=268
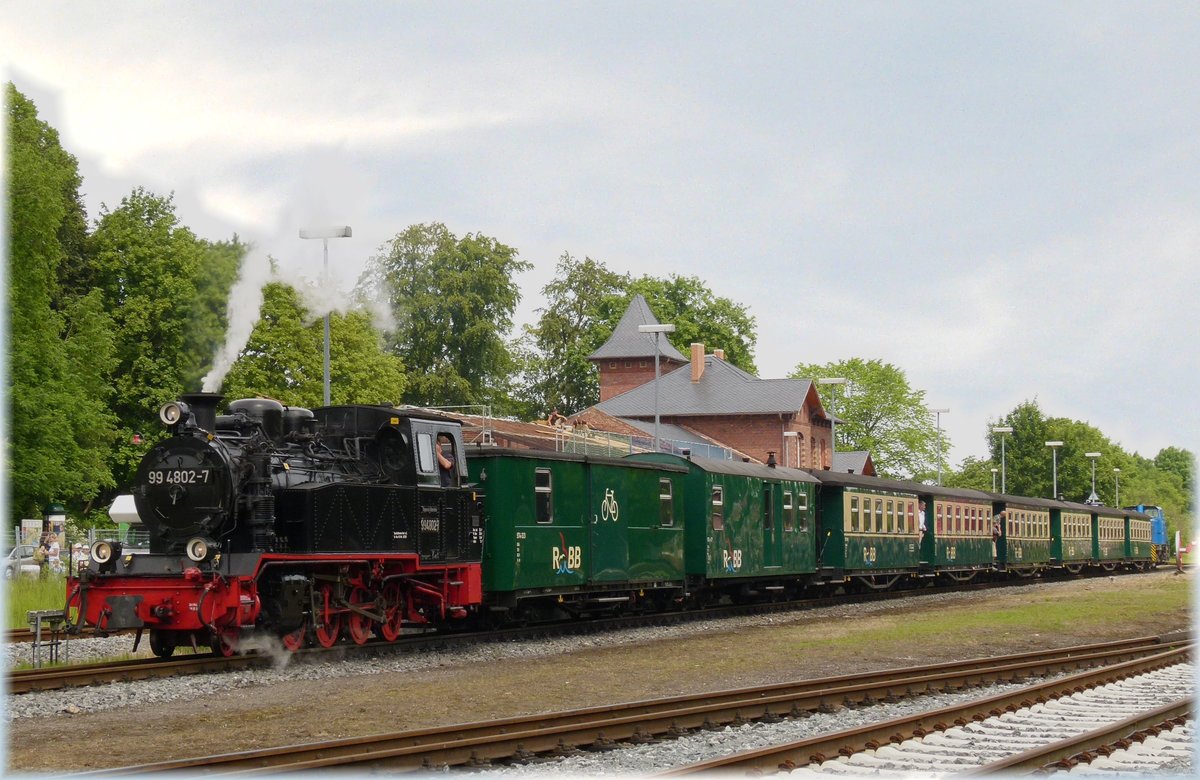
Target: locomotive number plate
x=178, y=476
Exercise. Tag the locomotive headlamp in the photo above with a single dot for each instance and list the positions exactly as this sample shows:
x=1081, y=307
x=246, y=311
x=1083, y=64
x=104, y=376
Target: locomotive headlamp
x=200, y=549
x=105, y=551
x=171, y=412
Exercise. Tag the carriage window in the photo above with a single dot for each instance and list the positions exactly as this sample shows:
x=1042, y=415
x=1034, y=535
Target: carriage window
x=891, y=517
x=666, y=503
x=543, y=496
x=768, y=508
x=718, y=508
x=789, y=513
x=854, y=513
x=425, y=453
x=937, y=523
x=878, y=515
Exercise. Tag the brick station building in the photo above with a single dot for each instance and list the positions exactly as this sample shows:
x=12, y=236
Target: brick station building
x=711, y=397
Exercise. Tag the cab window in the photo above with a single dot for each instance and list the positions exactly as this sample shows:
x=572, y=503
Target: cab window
x=425, y=453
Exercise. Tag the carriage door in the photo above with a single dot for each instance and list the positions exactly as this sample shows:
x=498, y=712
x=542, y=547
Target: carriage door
x=770, y=527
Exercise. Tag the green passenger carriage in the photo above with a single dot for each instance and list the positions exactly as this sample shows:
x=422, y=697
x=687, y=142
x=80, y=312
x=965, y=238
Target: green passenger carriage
x=1023, y=535
x=577, y=533
x=868, y=529
x=1139, y=546
x=745, y=522
x=1108, y=533
x=1071, y=530
x=955, y=530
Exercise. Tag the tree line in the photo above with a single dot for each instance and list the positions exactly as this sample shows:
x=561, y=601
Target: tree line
x=111, y=318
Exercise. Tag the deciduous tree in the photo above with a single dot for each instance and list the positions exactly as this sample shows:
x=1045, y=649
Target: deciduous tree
x=284, y=358
x=453, y=301
x=60, y=350
x=146, y=264
x=879, y=412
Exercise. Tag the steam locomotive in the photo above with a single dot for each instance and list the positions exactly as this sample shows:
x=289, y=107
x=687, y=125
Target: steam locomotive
x=285, y=521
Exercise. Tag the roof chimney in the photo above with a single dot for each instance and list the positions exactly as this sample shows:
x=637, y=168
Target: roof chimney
x=719, y=353
x=697, y=361
x=771, y=462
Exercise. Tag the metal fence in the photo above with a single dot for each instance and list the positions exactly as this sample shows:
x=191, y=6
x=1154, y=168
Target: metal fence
x=617, y=444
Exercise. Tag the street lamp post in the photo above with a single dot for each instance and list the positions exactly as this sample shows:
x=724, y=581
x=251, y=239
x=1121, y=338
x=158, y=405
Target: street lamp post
x=994, y=472
x=657, y=330
x=326, y=233
x=1054, y=445
x=1093, y=498
x=939, y=413
x=1003, y=429
x=835, y=380
x=1117, y=480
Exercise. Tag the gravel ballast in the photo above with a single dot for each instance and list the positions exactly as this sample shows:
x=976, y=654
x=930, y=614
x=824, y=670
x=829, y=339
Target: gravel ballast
x=211, y=713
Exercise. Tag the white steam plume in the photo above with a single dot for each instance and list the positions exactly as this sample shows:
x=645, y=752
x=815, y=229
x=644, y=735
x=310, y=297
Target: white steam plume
x=245, y=304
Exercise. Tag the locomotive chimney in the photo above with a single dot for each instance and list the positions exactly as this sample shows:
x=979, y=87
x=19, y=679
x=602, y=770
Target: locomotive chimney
x=204, y=408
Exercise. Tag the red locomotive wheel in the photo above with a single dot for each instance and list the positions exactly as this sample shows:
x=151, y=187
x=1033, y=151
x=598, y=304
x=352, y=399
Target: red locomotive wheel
x=295, y=640
x=358, y=627
x=225, y=643
x=393, y=622
x=331, y=622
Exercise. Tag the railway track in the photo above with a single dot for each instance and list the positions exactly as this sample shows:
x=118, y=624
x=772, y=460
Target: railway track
x=988, y=735
x=78, y=675
x=599, y=727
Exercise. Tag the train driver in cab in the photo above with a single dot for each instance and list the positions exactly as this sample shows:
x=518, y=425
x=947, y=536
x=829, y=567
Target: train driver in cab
x=446, y=460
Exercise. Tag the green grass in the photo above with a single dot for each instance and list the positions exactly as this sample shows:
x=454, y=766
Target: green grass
x=28, y=593
x=1167, y=597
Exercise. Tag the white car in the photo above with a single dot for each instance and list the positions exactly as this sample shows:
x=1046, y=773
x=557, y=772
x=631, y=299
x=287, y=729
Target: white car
x=20, y=561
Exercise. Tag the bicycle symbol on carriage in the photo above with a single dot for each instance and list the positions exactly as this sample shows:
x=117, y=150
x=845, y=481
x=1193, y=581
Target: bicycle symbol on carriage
x=608, y=507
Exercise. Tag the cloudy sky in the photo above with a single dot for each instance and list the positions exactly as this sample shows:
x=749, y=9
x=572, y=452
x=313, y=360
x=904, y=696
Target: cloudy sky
x=1002, y=199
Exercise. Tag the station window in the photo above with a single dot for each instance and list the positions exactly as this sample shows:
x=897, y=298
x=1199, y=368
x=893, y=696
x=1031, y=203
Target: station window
x=666, y=503
x=544, y=496
x=718, y=508
x=789, y=513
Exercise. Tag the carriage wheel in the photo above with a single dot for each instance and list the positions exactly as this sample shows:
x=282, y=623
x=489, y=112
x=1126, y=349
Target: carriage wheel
x=358, y=627
x=294, y=640
x=163, y=643
x=331, y=622
x=393, y=622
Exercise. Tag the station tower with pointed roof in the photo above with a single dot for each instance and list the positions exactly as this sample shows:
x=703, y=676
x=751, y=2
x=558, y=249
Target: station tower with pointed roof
x=626, y=360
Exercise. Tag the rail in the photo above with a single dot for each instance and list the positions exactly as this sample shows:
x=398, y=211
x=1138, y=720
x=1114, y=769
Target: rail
x=475, y=743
